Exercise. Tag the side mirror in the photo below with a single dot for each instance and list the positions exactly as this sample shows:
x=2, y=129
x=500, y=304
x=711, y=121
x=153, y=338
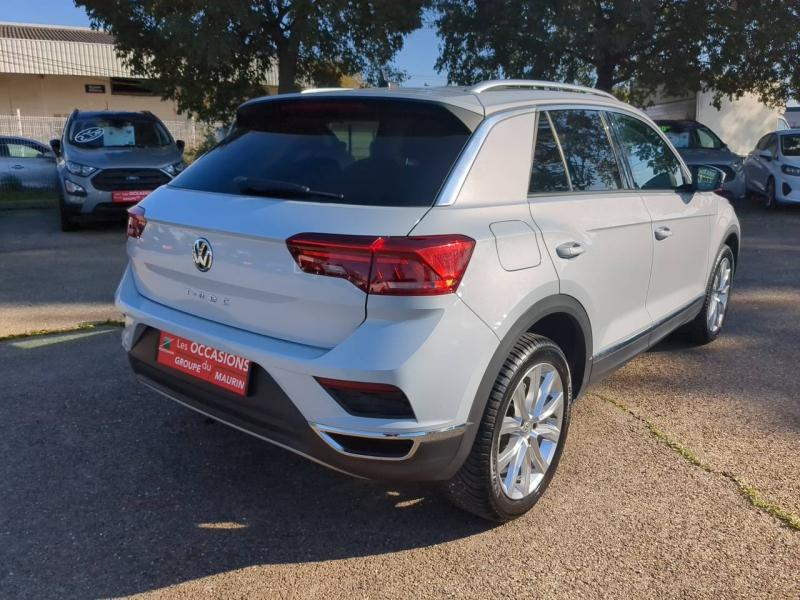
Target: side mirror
x=766, y=155
x=706, y=178
x=56, y=146
x=180, y=144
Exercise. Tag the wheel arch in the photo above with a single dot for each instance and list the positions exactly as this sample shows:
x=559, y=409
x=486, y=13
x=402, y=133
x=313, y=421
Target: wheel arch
x=561, y=318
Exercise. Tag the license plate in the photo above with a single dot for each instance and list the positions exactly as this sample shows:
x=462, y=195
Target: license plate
x=217, y=367
x=129, y=196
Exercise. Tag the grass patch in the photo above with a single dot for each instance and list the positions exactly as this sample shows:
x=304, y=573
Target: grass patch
x=79, y=327
x=27, y=196
x=753, y=495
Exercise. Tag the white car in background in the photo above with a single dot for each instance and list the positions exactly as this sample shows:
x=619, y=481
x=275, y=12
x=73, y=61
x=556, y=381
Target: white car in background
x=772, y=169
x=415, y=285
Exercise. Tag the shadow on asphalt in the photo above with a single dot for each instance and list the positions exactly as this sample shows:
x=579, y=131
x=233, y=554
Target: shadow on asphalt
x=109, y=489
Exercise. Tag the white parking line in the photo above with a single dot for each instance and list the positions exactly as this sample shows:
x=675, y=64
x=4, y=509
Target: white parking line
x=49, y=340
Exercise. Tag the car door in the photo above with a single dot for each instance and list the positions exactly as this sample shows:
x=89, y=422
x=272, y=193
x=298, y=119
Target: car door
x=681, y=220
x=32, y=164
x=597, y=233
x=760, y=163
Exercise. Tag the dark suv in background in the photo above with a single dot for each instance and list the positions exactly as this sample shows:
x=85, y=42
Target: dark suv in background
x=699, y=145
x=109, y=160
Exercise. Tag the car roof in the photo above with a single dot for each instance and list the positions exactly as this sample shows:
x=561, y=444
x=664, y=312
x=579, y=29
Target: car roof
x=794, y=131
x=501, y=95
x=124, y=114
x=19, y=138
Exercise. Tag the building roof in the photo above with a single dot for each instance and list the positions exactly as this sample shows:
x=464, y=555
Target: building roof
x=55, y=50
x=24, y=31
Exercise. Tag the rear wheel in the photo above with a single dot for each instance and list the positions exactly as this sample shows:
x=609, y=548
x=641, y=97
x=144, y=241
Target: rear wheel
x=707, y=325
x=521, y=435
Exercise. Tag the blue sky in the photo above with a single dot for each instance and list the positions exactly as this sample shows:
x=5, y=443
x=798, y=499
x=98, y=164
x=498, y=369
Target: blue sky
x=417, y=57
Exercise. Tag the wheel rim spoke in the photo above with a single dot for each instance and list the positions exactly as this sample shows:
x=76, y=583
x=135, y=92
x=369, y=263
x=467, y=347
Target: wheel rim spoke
x=555, y=405
x=535, y=454
x=548, y=431
x=515, y=468
x=533, y=396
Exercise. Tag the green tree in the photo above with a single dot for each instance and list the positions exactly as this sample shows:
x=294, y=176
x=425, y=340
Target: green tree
x=632, y=46
x=209, y=56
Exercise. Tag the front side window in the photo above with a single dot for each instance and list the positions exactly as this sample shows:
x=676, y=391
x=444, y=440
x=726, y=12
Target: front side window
x=20, y=149
x=652, y=163
x=587, y=149
x=790, y=144
x=114, y=132
x=548, y=173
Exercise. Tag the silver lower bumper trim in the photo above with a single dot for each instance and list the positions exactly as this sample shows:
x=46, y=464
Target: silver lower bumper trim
x=416, y=437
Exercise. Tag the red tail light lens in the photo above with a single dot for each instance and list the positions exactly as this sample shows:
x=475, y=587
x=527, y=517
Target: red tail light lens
x=136, y=222
x=395, y=266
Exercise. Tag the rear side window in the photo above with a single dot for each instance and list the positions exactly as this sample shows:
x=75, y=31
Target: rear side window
x=352, y=150
x=652, y=163
x=587, y=149
x=548, y=173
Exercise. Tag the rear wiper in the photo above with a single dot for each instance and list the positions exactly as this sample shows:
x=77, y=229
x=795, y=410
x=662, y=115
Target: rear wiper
x=280, y=189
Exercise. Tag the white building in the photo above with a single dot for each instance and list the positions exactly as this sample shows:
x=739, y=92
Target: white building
x=740, y=123
x=48, y=71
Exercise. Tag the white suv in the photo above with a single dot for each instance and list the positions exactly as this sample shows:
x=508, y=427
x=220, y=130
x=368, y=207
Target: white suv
x=416, y=284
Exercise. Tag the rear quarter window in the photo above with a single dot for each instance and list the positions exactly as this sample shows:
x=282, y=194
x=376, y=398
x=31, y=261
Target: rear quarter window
x=369, y=151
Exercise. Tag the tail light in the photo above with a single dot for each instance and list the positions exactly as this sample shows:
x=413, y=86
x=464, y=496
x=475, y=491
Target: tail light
x=136, y=222
x=393, y=266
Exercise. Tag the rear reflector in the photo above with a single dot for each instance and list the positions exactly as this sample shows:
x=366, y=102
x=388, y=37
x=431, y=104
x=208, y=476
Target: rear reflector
x=376, y=400
x=136, y=222
x=395, y=266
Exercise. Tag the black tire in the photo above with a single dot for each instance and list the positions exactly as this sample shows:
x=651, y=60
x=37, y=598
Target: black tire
x=698, y=330
x=475, y=488
x=67, y=222
x=769, y=194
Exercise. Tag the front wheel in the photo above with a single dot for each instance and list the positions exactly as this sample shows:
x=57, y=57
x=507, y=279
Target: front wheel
x=67, y=222
x=521, y=435
x=707, y=325
x=769, y=194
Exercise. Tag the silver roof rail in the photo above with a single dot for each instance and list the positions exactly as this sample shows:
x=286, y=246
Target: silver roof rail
x=484, y=86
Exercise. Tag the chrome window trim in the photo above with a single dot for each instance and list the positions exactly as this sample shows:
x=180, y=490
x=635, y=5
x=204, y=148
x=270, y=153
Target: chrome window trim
x=417, y=437
x=458, y=176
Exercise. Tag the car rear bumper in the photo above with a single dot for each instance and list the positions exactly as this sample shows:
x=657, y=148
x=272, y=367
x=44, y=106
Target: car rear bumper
x=286, y=406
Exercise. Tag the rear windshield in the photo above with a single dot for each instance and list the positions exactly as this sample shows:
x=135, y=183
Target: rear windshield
x=353, y=151
x=790, y=144
x=113, y=132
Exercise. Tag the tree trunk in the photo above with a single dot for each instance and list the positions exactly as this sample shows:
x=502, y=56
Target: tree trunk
x=605, y=75
x=287, y=67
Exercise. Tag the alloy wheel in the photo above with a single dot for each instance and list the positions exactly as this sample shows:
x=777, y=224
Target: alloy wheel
x=530, y=431
x=720, y=291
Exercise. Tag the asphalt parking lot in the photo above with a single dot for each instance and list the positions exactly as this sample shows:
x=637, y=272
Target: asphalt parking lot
x=109, y=490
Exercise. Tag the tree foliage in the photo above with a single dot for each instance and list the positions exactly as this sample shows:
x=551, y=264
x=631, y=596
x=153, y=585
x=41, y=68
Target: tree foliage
x=633, y=46
x=209, y=56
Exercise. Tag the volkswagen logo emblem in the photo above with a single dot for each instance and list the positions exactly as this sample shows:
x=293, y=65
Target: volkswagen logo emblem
x=202, y=255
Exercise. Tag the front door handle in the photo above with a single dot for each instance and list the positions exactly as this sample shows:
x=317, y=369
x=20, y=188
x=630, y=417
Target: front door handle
x=17, y=167
x=570, y=250
x=663, y=233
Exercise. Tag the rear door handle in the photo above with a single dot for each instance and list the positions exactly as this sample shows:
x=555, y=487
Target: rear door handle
x=17, y=167
x=570, y=250
x=663, y=233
